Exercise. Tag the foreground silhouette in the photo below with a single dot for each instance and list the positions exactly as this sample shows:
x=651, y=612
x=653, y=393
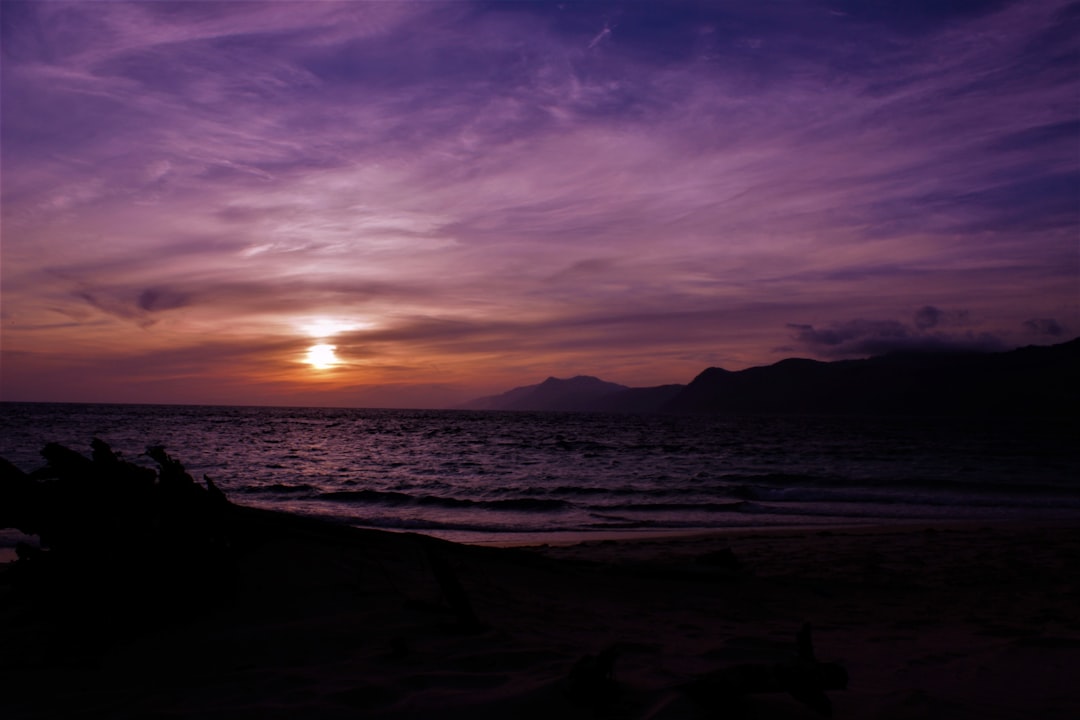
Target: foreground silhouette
x=148, y=543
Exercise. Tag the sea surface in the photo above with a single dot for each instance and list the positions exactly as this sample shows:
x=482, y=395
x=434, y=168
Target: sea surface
x=492, y=476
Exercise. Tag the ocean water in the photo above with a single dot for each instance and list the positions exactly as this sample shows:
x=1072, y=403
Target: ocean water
x=514, y=476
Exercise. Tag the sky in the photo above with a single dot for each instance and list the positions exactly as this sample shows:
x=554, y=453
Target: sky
x=411, y=204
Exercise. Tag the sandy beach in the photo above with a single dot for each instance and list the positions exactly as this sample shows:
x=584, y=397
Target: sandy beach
x=929, y=622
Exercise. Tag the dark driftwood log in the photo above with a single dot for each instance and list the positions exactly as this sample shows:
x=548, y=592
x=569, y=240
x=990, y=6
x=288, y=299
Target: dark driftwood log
x=804, y=678
x=452, y=590
x=592, y=679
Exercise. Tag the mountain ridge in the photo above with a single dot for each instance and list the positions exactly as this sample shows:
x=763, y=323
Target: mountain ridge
x=1036, y=379
x=577, y=393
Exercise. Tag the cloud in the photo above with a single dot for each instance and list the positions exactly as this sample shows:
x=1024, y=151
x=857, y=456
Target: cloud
x=487, y=191
x=853, y=336
x=154, y=299
x=1046, y=327
x=929, y=316
x=861, y=338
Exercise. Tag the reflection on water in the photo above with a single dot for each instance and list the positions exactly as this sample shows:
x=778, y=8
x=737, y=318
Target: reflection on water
x=467, y=475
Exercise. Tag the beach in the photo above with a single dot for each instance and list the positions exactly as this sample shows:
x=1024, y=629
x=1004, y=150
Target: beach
x=321, y=621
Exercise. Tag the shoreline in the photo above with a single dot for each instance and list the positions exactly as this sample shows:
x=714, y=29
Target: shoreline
x=571, y=538
x=957, y=620
x=564, y=538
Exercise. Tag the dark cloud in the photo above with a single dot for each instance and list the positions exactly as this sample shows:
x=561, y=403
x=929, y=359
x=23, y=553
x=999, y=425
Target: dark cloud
x=107, y=303
x=928, y=317
x=154, y=299
x=129, y=304
x=1044, y=326
x=853, y=335
x=861, y=338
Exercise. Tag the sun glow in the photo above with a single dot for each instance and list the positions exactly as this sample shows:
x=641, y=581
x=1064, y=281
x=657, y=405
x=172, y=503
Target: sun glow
x=322, y=357
x=322, y=327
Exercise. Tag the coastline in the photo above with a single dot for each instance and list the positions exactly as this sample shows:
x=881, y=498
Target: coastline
x=569, y=537
x=936, y=620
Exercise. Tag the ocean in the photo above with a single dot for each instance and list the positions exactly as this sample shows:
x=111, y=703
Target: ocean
x=488, y=476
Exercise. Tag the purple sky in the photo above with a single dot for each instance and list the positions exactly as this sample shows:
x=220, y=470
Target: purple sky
x=464, y=197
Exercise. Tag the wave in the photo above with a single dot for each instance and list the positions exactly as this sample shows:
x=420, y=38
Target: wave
x=934, y=484
x=705, y=507
x=585, y=491
x=947, y=496
x=278, y=488
x=384, y=522
x=578, y=445
x=785, y=479
x=525, y=504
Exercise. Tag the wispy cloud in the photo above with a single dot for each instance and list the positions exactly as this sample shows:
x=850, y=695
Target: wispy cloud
x=634, y=189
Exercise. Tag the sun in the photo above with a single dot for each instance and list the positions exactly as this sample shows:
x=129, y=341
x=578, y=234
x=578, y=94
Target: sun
x=322, y=357
x=321, y=330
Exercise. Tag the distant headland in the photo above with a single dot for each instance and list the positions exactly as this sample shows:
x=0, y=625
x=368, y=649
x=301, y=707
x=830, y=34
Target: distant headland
x=1034, y=380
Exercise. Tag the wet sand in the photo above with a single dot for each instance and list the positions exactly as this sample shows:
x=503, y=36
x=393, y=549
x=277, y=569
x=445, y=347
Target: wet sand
x=956, y=621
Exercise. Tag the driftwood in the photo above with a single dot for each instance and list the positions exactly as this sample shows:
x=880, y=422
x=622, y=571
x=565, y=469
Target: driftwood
x=591, y=681
x=452, y=590
x=804, y=678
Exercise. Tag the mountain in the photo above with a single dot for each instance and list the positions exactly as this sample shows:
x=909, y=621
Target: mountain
x=1035, y=380
x=581, y=393
x=1028, y=381
x=577, y=393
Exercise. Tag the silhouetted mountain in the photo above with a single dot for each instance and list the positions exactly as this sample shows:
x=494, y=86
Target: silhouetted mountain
x=1036, y=380
x=1031, y=380
x=577, y=393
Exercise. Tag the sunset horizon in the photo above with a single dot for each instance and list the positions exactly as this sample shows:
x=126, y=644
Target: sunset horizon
x=533, y=359
x=412, y=205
